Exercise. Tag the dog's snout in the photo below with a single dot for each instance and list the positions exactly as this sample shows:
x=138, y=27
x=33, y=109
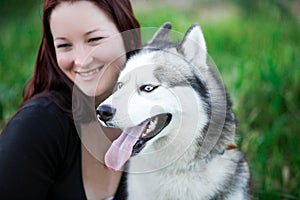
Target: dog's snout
x=105, y=112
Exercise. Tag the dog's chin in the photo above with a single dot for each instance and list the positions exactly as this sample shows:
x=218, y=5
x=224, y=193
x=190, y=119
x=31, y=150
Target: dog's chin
x=155, y=125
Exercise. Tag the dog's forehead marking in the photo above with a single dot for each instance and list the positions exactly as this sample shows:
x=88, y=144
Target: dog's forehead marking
x=166, y=66
x=143, y=59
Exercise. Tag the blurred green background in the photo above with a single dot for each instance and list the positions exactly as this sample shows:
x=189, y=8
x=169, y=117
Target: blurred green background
x=255, y=45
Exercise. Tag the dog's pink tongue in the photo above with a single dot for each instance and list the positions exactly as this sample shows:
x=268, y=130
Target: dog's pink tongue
x=121, y=149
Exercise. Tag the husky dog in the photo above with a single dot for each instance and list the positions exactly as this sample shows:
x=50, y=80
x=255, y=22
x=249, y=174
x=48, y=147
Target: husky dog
x=177, y=122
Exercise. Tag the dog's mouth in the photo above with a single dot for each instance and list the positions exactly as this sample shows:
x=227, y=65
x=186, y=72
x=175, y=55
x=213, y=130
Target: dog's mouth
x=154, y=126
x=133, y=140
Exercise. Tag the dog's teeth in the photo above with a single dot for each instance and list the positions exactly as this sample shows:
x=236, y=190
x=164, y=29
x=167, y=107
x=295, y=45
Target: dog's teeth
x=149, y=130
x=153, y=123
x=155, y=120
x=151, y=127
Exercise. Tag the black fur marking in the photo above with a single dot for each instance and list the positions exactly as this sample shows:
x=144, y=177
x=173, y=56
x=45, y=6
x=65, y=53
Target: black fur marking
x=202, y=90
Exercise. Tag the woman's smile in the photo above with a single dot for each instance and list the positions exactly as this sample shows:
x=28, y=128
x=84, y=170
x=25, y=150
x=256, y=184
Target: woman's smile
x=89, y=74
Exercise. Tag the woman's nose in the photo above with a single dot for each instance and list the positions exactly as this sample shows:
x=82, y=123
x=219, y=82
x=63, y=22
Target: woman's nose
x=83, y=57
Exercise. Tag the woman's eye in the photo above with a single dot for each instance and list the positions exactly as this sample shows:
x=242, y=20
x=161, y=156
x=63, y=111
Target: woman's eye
x=148, y=88
x=59, y=46
x=96, y=39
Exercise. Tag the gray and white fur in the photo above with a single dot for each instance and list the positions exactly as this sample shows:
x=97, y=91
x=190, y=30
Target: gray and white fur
x=193, y=155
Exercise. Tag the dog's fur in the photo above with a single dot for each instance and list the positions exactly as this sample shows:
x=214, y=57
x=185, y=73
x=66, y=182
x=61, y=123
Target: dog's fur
x=194, y=154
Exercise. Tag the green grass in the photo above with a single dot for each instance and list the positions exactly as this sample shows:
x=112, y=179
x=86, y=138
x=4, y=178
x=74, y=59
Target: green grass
x=19, y=42
x=259, y=60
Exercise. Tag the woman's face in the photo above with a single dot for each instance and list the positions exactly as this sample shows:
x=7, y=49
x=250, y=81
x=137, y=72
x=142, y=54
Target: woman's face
x=88, y=45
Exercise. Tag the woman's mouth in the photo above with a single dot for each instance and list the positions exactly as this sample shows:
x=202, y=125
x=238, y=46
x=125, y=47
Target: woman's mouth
x=89, y=74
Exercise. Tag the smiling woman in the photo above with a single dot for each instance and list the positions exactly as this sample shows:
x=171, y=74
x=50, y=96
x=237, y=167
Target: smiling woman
x=83, y=48
x=79, y=46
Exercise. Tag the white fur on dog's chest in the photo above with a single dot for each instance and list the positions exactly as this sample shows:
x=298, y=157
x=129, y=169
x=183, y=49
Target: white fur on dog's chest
x=188, y=184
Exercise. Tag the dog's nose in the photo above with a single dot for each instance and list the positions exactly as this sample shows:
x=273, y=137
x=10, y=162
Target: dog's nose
x=105, y=112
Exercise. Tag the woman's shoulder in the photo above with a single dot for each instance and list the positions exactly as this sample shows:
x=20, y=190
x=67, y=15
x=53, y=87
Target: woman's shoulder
x=43, y=102
x=39, y=124
x=38, y=115
x=43, y=108
x=39, y=143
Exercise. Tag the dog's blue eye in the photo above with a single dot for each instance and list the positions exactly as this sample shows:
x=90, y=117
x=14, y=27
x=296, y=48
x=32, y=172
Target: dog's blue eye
x=148, y=88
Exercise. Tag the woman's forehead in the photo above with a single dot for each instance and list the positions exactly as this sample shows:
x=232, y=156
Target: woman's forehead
x=71, y=17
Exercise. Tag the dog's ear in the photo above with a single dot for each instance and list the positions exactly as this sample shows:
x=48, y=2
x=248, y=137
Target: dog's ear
x=162, y=35
x=193, y=46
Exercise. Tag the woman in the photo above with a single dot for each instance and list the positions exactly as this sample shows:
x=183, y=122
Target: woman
x=79, y=58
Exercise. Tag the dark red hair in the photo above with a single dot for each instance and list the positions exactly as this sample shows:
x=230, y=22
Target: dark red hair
x=48, y=78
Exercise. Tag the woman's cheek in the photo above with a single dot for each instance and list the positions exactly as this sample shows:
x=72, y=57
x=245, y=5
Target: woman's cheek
x=61, y=61
x=66, y=66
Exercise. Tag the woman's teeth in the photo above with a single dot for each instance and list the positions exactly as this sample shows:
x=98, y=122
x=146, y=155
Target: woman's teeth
x=89, y=73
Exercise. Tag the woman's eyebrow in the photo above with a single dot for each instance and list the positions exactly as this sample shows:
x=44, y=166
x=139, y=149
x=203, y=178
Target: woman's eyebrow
x=87, y=33
x=92, y=31
x=60, y=38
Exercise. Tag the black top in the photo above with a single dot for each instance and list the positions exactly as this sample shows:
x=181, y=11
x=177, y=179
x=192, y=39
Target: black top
x=40, y=155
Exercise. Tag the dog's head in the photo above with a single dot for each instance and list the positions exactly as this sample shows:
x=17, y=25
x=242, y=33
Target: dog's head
x=160, y=91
